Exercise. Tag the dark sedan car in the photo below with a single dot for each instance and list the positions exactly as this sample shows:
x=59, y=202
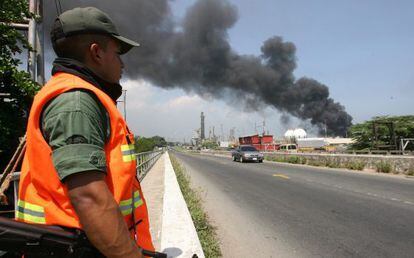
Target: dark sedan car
x=247, y=153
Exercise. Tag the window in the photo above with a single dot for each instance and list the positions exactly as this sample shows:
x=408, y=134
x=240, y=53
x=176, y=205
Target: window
x=248, y=148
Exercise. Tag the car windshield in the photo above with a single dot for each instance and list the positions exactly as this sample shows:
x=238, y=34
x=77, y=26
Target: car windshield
x=248, y=148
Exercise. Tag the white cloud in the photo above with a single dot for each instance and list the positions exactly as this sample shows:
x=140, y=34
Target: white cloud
x=139, y=94
x=184, y=102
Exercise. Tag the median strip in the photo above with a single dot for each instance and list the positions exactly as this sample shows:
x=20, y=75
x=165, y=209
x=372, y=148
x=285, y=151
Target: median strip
x=206, y=232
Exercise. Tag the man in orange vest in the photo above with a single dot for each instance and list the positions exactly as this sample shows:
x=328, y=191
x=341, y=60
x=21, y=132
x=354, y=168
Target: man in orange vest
x=79, y=169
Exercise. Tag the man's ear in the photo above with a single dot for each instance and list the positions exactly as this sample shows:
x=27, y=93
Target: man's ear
x=95, y=52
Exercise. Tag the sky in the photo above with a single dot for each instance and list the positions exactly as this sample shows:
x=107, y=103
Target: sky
x=362, y=50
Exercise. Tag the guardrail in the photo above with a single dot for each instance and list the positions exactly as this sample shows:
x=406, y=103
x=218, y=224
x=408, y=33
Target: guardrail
x=145, y=161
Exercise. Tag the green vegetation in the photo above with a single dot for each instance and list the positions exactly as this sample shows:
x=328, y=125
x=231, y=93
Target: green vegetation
x=363, y=133
x=293, y=159
x=14, y=107
x=206, y=232
x=143, y=144
x=314, y=162
x=332, y=163
x=275, y=158
x=210, y=145
x=410, y=171
x=355, y=165
x=383, y=167
x=179, y=148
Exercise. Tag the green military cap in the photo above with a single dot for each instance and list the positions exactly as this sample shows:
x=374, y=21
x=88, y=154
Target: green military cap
x=88, y=20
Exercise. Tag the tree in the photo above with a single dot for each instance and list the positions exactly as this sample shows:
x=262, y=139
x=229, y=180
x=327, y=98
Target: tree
x=16, y=87
x=363, y=133
x=159, y=141
x=143, y=144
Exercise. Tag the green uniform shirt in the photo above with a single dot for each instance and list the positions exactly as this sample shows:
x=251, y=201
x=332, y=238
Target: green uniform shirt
x=76, y=126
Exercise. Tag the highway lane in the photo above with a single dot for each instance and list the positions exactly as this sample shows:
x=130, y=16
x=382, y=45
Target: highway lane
x=279, y=210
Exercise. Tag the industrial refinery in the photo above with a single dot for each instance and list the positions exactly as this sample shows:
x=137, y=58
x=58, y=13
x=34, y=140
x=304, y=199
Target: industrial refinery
x=293, y=140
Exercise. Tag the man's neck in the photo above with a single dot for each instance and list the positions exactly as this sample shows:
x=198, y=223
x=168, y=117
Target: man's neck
x=79, y=69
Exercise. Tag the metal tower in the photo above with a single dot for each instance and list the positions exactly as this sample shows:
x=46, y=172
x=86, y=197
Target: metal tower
x=202, y=136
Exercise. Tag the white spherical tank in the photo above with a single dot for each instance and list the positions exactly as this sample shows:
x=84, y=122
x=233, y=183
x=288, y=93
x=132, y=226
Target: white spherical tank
x=289, y=133
x=299, y=133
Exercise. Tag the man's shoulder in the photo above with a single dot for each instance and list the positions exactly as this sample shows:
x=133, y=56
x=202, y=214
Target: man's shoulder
x=77, y=100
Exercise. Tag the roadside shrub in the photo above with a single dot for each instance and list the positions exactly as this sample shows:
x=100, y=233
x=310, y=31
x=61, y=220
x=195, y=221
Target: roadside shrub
x=330, y=163
x=287, y=159
x=410, y=171
x=303, y=160
x=383, y=167
x=315, y=163
x=279, y=159
x=293, y=159
x=355, y=165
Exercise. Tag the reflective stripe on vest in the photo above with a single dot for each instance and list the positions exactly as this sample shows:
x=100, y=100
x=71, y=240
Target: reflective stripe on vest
x=126, y=205
x=30, y=212
x=128, y=152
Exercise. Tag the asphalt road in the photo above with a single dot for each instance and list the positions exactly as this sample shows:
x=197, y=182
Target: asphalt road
x=281, y=210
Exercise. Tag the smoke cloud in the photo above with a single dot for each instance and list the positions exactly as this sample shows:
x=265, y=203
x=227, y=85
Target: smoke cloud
x=195, y=55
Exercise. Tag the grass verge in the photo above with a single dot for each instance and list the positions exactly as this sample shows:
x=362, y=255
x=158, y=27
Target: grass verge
x=206, y=232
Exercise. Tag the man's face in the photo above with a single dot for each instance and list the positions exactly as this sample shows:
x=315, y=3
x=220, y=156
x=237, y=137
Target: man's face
x=111, y=65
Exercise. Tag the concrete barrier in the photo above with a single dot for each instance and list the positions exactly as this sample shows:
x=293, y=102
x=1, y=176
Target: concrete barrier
x=178, y=235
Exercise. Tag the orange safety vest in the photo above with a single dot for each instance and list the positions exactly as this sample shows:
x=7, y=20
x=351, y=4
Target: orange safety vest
x=43, y=198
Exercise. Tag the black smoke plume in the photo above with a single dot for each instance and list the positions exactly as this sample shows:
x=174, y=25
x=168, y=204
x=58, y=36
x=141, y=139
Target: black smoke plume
x=195, y=55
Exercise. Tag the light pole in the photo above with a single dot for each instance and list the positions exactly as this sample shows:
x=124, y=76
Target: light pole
x=124, y=102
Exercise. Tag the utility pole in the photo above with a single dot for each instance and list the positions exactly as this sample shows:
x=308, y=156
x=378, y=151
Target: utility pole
x=264, y=127
x=34, y=28
x=40, y=55
x=202, y=118
x=35, y=62
x=31, y=37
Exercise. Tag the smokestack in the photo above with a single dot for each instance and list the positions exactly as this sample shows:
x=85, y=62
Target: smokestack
x=202, y=127
x=196, y=56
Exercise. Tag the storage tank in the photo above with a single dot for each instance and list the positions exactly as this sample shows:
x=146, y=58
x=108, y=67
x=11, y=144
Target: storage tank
x=299, y=133
x=293, y=134
x=289, y=134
